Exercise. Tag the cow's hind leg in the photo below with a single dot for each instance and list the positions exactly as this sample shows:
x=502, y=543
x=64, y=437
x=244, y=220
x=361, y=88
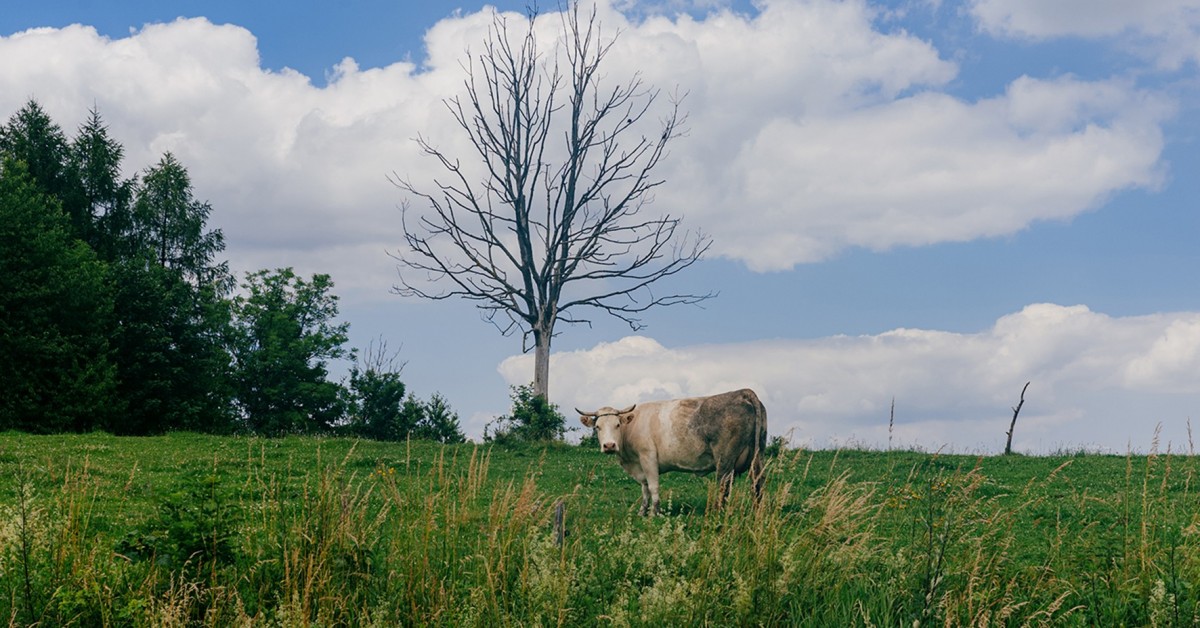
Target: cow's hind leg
x=757, y=475
x=724, y=486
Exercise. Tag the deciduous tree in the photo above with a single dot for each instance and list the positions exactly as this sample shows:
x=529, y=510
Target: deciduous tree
x=377, y=396
x=285, y=333
x=553, y=222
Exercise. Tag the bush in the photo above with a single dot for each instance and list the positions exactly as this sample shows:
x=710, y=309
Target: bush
x=377, y=403
x=438, y=422
x=195, y=525
x=776, y=446
x=532, y=420
x=381, y=411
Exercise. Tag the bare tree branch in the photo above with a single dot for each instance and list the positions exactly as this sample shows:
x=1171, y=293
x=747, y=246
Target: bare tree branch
x=563, y=173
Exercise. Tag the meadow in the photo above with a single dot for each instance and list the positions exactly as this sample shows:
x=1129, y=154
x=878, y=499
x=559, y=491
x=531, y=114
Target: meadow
x=188, y=529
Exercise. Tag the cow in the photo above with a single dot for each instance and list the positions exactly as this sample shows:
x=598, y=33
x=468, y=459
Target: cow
x=725, y=433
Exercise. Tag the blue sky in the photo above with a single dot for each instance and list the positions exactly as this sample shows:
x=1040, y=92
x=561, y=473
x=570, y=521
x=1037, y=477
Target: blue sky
x=935, y=201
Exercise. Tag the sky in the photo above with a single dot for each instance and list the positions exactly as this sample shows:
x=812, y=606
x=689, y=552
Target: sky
x=925, y=202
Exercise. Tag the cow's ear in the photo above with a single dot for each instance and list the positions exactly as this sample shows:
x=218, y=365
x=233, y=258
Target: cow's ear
x=587, y=420
x=627, y=418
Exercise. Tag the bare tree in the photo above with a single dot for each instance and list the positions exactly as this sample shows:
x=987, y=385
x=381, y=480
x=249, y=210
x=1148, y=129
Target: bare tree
x=1013, y=425
x=553, y=227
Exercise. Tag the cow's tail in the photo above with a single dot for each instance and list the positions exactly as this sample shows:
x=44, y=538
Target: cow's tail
x=757, y=464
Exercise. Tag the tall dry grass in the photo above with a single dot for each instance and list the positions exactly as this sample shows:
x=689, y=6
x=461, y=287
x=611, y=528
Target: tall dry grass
x=448, y=540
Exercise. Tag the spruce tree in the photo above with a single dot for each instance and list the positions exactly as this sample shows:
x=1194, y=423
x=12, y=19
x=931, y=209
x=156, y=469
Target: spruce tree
x=55, y=313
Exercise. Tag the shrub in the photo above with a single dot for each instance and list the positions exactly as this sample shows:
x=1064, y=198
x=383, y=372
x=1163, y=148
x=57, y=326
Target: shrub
x=776, y=446
x=532, y=420
x=438, y=422
x=194, y=525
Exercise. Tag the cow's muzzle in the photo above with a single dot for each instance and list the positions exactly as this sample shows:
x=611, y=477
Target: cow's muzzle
x=609, y=448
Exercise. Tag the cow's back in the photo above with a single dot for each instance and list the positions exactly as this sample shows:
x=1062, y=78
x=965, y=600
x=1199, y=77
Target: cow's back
x=698, y=433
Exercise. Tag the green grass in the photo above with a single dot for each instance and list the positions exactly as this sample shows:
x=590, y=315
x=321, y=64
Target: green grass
x=199, y=530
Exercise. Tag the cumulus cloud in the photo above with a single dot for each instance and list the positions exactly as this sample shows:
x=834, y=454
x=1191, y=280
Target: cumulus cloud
x=1168, y=30
x=1097, y=380
x=810, y=131
x=296, y=173
x=931, y=168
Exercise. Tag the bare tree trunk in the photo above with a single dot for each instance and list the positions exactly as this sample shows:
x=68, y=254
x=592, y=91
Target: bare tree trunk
x=1012, y=426
x=541, y=364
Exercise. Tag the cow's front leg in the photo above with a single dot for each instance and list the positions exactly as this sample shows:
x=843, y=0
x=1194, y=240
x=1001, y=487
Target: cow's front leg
x=636, y=472
x=650, y=468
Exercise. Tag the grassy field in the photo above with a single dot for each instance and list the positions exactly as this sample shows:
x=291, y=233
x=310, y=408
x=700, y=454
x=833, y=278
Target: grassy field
x=188, y=529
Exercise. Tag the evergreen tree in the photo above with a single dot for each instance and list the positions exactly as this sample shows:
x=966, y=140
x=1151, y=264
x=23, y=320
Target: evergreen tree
x=172, y=312
x=165, y=315
x=170, y=224
x=284, y=334
x=169, y=344
x=101, y=198
x=32, y=137
x=55, y=311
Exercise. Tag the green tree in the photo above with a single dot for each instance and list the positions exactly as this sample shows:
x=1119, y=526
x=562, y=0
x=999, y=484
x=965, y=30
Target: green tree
x=532, y=419
x=380, y=410
x=284, y=334
x=55, y=310
x=100, y=197
x=31, y=136
x=439, y=423
x=172, y=308
x=170, y=347
x=166, y=316
x=377, y=397
x=170, y=224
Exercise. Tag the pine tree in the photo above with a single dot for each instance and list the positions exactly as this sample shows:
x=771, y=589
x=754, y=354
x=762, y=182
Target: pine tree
x=172, y=312
x=32, y=137
x=55, y=311
x=101, y=198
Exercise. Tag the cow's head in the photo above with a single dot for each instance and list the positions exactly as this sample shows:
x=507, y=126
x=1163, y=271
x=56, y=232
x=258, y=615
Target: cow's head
x=608, y=423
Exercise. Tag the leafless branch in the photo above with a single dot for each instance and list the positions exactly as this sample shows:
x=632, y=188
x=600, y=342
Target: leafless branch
x=565, y=172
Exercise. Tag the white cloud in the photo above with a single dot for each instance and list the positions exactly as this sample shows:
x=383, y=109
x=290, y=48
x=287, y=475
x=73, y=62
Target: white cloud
x=1168, y=30
x=1096, y=380
x=810, y=132
x=930, y=168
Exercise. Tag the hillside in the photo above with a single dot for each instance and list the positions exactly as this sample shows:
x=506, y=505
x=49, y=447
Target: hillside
x=187, y=529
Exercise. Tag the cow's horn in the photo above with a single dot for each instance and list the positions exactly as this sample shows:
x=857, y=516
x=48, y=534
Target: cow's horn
x=582, y=413
x=627, y=410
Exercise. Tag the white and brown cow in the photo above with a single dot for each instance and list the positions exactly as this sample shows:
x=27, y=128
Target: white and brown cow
x=725, y=433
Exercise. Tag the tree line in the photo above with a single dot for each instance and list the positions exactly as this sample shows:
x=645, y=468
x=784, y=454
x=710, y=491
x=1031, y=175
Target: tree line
x=117, y=312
